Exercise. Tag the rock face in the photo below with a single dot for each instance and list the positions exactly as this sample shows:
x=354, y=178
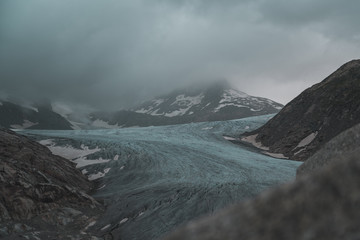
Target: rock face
x=344, y=143
x=215, y=102
x=39, y=192
x=324, y=205
x=315, y=116
x=40, y=117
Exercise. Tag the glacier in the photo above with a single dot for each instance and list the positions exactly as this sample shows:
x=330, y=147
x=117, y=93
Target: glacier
x=157, y=178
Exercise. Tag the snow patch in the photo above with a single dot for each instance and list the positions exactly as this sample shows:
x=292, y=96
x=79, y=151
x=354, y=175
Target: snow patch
x=26, y=124
x=31, y=107
x=83, y=161
x=206, y=106
x=299, y=151
x=185, y=103
x=99, y=174
x=252, y=139
x=90, y=225
x=150, y=109
x=105, y=227
x=47, y=142
x=157, y=102
x=123, y=220
x=229, y=138
x=181, y=100
x=76, y=155
x=306, y=141
x=143, y=110
x=177, y=113
x=75, y=125
x=71, y=153
x=276, y=155
x=231, y=94
x=229, y=104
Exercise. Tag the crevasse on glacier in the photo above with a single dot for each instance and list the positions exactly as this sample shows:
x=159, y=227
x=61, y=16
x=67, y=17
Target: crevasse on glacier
x=156, y=178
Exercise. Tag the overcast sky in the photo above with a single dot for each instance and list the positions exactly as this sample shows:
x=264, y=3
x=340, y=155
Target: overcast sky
x=113, y=53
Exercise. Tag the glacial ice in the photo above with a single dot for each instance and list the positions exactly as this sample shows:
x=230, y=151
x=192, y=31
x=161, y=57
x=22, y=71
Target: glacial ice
x=165, y=176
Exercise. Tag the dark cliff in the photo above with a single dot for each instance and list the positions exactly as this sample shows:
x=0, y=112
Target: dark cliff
x=315, y=116
x=39, y=192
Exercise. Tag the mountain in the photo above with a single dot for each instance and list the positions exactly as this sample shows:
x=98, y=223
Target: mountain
x=39, y=116
x=43, y=196
x=321, y=205
x=215, y=102
x=314, y=117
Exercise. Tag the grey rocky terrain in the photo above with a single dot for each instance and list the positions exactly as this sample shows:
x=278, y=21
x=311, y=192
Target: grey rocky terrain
x=38, y=116
x=42, y=196
x=319, y=205
x=314, y=117
x=344, y=143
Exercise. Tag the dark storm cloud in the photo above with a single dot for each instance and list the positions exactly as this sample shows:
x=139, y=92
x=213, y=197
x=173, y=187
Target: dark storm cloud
x=332, y=17
x=111, y=54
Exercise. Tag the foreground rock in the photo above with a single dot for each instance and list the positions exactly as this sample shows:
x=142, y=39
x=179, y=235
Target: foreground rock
x=345, y=143
x=43, y=196
x=324, y=205
x=315, y=116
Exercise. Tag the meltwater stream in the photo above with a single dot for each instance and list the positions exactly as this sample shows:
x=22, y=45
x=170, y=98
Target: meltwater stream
x=156, y=178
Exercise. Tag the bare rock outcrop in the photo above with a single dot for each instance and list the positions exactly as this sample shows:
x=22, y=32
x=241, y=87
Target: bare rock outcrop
x=344, y=143
x=314, y=117
x=40, y=192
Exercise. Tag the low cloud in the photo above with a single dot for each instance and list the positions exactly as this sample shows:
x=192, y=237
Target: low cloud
x=113, y=54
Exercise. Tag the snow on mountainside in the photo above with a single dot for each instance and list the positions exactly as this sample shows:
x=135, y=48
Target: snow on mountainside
x=213, y=99
x=215, y=102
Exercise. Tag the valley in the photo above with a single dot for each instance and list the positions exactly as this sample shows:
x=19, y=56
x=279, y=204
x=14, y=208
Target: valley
x=156, y=178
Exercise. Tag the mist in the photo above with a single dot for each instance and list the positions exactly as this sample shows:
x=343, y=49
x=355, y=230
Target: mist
x=114, y=54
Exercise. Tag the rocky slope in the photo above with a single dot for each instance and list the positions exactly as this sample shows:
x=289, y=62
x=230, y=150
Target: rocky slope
x=42, y=196
x=315, y=116
x=344, y=143
x=215, y=102
x=41, y=116
x=322, y=205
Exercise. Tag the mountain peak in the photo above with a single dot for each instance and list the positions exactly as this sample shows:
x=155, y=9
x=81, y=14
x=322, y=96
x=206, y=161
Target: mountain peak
x=212, y=101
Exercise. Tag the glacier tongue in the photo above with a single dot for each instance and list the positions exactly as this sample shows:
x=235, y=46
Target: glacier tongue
x=160, y=177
